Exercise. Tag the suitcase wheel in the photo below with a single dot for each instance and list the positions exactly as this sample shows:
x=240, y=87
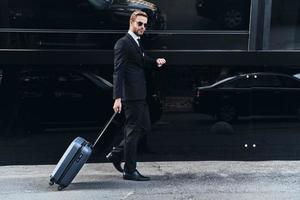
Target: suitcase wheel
x=60, y=188
x=51, y=183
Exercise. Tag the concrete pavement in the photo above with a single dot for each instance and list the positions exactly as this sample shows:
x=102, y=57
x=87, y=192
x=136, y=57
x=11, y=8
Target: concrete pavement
x=170, y=180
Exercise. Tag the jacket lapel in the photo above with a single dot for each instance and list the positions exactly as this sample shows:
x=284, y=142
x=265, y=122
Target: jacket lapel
x=133, y=42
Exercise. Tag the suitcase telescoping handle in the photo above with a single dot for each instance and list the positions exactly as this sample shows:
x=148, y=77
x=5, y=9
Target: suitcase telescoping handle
x=104, y=129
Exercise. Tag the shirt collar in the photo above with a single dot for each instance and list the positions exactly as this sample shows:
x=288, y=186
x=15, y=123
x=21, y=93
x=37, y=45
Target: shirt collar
x=134, y=36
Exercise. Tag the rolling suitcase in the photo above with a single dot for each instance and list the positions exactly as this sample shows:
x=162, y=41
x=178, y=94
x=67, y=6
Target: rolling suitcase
x=73, y=159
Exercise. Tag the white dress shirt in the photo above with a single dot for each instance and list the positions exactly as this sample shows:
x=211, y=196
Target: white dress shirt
x=135, y=37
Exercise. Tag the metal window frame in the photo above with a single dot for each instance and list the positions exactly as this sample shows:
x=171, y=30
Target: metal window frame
x=260, y=24
x=175, y=58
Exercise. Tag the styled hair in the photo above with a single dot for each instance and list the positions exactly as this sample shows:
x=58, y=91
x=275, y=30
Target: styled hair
x=137, y=13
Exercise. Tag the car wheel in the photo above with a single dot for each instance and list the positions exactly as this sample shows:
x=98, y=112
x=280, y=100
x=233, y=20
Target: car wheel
x=233, y=18
x=227, y=113
x=221, y=127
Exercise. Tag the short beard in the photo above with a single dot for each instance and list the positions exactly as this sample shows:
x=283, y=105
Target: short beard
x=137, y=33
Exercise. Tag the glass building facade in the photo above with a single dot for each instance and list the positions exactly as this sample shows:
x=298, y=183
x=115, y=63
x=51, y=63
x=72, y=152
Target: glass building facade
x=251, y=46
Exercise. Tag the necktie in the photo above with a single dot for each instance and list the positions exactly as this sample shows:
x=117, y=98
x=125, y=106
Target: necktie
x=140, y=44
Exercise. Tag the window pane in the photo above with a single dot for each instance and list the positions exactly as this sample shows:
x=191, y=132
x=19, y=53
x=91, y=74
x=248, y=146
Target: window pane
x=169, y=26
x=285, y=25
x=114, y=14
x=265, y=81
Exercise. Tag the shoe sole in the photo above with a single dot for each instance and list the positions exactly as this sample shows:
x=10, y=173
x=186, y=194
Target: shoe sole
x=130, y=179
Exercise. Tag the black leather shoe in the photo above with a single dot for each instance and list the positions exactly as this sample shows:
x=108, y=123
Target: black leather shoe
x=135, y=176
x=115, y=160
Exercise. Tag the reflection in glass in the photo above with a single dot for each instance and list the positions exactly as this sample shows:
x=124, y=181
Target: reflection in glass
x=285, y=24
x=252, y=94
x=61, y=24
x=230, y=14
x=78, y=14
x=114, y=14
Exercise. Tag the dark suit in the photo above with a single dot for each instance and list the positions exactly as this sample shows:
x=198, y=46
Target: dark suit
x=130, y=85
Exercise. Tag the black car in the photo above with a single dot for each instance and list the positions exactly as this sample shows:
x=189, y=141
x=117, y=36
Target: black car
x=232, y=14
x=253, y=94
x=69, y=98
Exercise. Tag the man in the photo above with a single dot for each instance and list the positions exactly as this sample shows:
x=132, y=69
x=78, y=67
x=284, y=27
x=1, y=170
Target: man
x=130, y=94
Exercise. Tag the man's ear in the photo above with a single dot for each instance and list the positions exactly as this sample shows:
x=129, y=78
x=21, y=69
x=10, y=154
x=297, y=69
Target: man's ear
x=130, y=23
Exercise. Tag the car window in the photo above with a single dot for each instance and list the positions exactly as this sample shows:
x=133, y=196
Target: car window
x=244, y=82
x=265, y=81
x=69, y=77
x=71, y=85
x=34, y=84
x=32, y=77
x=289, y=82
x=241, y=82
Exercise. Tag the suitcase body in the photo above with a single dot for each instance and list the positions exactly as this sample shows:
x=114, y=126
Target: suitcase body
x=73, y=159
x=71, y=162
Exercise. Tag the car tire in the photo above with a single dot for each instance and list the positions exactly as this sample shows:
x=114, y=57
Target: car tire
x=227, y=113
x=221, y=128
x=233, y=18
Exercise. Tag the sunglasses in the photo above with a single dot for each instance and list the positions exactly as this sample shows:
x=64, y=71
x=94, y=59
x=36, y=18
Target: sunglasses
x=141, y=24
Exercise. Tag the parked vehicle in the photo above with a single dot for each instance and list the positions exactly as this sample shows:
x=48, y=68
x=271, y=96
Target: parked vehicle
x=253, y=94
x=69, y=98
x=232, y=14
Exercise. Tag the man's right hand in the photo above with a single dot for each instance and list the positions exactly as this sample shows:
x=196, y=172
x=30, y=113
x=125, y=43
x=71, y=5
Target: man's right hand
x=117, y=105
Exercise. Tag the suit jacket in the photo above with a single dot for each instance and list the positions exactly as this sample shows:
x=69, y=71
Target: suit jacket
x=129, y=70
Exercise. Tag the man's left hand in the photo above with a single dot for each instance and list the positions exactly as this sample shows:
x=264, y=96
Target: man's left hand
x=160, y=62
